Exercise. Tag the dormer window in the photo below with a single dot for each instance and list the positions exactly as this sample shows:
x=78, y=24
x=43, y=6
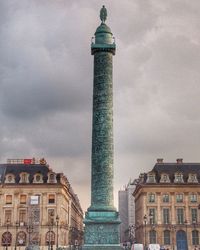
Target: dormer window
x=51, y=178
x=164, y=178
x=151, y=178
x=10, y=178
x=24, y=178
x=38, y=178
x=178, y=178
x=192, y=178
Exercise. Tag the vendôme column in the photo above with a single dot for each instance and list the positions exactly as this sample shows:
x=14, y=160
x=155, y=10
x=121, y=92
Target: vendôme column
x=102, y=219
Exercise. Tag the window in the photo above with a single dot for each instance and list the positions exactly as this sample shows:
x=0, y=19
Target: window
x=152, y=237
x=167, y=237
x=195, y=237
x=51, y=215
x=6, y=239
x=52, y=178
x=38, y=178
x=194, y=215
x=192, y=178
x=22, y=199
x=50, y=238
x=178, y=178
x=165, y=198
x=180, y=215
x=24, y=178
x=166, y=215
x=8, y=199
x=51, y=198
x=152, y=215
x=179, y=198
x=10, y=178
x=151, y=197
x=193, y=197
x=8, y=214
x=164, y=178
x=21, y=238
x=22, y=216
x=151, y=178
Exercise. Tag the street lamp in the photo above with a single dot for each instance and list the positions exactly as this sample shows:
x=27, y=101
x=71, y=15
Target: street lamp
x=186, y=224
x=57, y=221
x=16, y=225
x=131, y=233
x=7, y=225
x=145, y=233
x=173, y=228
x=51, y=230
x=29, y=231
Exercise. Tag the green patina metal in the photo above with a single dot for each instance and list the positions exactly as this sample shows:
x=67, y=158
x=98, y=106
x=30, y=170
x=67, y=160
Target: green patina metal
x=102, y=219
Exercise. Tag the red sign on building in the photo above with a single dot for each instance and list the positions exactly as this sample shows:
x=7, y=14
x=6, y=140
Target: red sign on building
x=27, y=161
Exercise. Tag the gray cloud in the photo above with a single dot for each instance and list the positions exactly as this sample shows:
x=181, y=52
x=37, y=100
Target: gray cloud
x=46, y=83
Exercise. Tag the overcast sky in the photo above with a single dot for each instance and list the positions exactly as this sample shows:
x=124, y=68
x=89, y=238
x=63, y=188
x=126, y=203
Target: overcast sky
x=46, y=84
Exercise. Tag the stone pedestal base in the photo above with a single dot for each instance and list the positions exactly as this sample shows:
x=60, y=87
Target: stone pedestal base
x=101, y=230
x=99, y=247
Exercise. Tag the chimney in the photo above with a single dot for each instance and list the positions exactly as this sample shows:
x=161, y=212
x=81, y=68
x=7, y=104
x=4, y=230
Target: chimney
x=179, y=160
x=159, y=160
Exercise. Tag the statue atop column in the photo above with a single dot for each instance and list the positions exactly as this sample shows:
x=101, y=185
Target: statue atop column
x=103, y=14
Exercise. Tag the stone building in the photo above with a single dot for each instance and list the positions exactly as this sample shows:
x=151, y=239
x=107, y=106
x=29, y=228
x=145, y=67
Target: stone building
x=126, y=205
x=167, y=205
x=37, y=206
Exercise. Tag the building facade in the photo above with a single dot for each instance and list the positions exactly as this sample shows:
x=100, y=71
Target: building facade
x=37, y=207
x=167, y=205
x=126, y=205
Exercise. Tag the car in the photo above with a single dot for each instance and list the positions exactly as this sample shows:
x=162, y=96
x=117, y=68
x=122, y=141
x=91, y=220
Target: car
x=137, y=246
x=154, y=247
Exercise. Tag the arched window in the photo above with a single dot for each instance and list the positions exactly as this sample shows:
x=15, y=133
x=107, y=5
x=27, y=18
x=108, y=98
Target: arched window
x=50, y=238
x=10, y=178
x=24, y=177
x=21, y=238
x=38, y=178
x=195, y=237
x=152, y=237
x=167, y=237
x=6, y=239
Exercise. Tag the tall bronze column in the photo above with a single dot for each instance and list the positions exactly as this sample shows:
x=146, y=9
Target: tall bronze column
x=102, y=219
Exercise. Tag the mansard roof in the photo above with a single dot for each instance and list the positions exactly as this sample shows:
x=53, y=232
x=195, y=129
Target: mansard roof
x=171, y=169
x=31, y=169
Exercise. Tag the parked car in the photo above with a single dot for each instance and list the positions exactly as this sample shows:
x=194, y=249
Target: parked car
x=137, y=246
x=154, y=247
